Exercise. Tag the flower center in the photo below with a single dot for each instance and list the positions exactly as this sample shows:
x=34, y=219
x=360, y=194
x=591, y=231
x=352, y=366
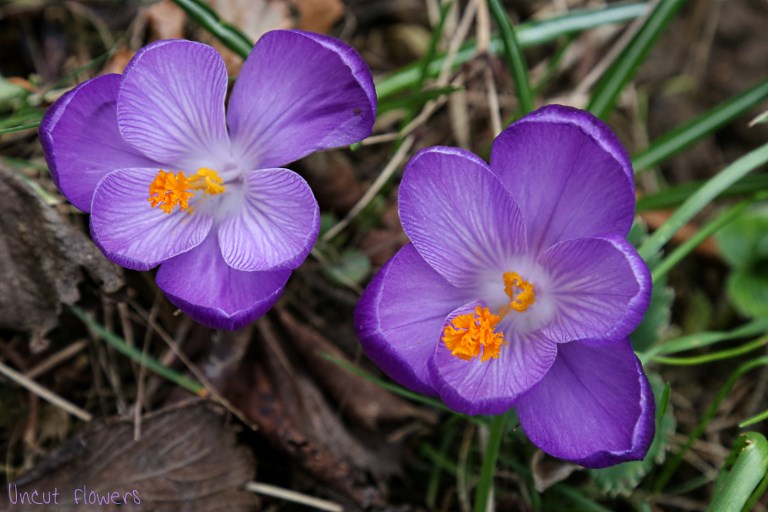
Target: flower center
x=168, y=190
x=469, y=334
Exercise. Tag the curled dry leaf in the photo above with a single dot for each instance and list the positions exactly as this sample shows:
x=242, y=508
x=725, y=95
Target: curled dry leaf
x=547, y=471
x=185, y=460
x=41, y=257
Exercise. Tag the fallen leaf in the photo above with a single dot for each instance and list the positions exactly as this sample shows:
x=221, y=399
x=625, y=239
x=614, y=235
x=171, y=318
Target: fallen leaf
x=318, y=15
x=362, y=399
x=185, y=460
x=41, y=257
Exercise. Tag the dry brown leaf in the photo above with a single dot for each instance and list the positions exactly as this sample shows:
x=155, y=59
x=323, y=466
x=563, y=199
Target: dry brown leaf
x=294, y=415
x=363, y=400
x=318, y=15
x=186, y=460
x=118, y=61
x=41, y=257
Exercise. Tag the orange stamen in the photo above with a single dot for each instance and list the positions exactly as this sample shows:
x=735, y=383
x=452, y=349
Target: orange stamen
x=169, y=190
x=522, y=300
x=467, y=334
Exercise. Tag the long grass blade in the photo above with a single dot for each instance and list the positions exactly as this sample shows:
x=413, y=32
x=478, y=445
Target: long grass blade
x=683, y=136
x=623, y=69
x=701, y=198
x=514, y=55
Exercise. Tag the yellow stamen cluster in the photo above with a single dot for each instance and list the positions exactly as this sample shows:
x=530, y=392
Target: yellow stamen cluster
x=467, y=334
x=169, y=190
x=522, y=300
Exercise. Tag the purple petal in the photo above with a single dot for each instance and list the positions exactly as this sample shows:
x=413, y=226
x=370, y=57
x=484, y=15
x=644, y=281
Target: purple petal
x=201, y=284
x=81, y=141
x=400, y=317
x=600, y=289
x=297, y=93
x=594, y=407
x=568, y=173
x=132, y=233
x=458, y=215
x=171, y=105
x=276, y=224
x=490, y=387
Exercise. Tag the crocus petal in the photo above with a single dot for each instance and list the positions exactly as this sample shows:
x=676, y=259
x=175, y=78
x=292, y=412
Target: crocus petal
x=594, y=407
x=297, y=93
x=568, y=173
x=275, y=225
x=400, y=317
x=81, y=141
x=171, y=105
x=132, y=233
x=201, y=284
x=458, y=215
x=600, y=288
x=490, y=387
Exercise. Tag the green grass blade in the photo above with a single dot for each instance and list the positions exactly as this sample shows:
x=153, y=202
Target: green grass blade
x=702, y=234
x=674, y=196
x=683, y=136
x=701, y=198
x=232, y=37
x=529, y=34
x=514, y=55
x=705, y=339
x=485, y=485
x=757, y=418
x=756, y=495
x=622, y=70
x=713, y=356
x=19, y=128
x=150, y=363
x=741, y=473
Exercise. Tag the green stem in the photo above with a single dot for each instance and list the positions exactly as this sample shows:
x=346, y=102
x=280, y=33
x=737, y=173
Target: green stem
x=485, y=484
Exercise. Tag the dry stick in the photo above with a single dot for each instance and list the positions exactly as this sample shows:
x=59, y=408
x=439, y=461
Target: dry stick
x=483, y=44
x=616, y=50
x=45, y=394
x=138, y=408
x=293, y=496
x=56, y=359
x=199, y=375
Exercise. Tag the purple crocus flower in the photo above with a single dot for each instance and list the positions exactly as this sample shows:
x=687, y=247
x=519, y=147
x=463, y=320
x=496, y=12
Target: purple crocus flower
x=518, y=288
x=170, y=179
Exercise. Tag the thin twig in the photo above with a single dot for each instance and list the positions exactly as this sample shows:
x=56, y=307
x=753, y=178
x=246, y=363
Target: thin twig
x=293, y=496
x=56, y=359
x=45, y=394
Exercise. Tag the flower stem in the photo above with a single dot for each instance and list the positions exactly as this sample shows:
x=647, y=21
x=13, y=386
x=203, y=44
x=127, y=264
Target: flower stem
x=485, y=484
